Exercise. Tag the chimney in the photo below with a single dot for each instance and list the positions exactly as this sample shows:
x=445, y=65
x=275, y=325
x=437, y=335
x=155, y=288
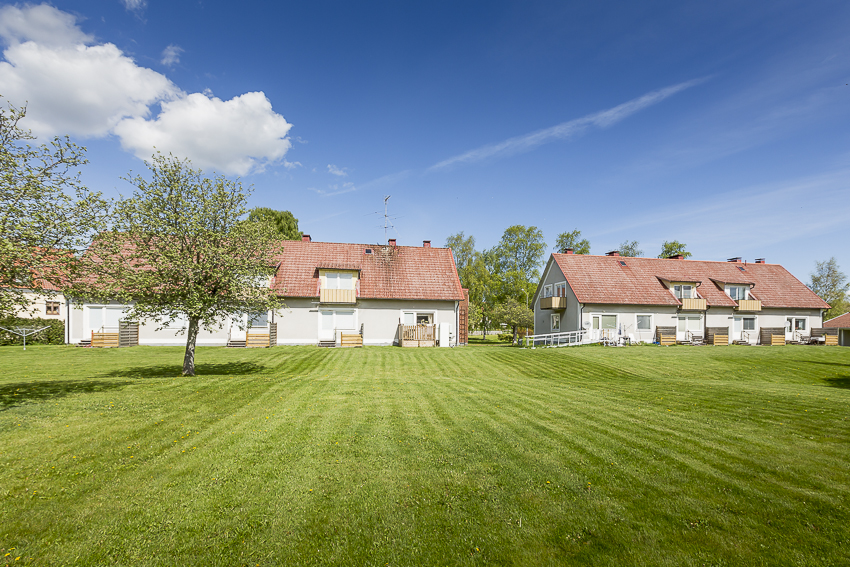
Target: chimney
x=760, y=261
x=305, y=238
x=676, y=257
x=613, y=253
x=735, y=259
x=391, y=242
x=569, y=251
x=426, y=244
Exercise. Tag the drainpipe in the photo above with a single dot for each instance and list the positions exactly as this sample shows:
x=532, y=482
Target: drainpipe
x=67, y=321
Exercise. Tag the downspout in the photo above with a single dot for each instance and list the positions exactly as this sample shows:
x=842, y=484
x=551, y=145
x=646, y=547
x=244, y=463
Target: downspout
x=67, y=321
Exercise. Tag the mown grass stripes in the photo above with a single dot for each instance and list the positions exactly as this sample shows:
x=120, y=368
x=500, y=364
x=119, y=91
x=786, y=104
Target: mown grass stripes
x=376, y=456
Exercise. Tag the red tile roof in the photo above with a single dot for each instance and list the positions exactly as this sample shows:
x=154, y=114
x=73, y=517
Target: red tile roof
x=604, y=279
x=841, y=322
x=389, y=272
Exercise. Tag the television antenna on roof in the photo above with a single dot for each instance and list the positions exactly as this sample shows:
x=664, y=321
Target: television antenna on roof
x=388, y=220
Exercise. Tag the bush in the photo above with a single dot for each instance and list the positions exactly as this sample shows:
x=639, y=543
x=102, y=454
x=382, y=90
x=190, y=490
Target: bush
x=53, y=335
x=506, y=337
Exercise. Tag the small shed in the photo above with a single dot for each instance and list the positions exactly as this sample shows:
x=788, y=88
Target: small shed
x=842, y=325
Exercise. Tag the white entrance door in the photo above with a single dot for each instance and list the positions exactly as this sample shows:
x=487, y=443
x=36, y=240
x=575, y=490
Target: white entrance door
x=237, y=334
x=326, y=326
x=688, y=327
x=604, y=326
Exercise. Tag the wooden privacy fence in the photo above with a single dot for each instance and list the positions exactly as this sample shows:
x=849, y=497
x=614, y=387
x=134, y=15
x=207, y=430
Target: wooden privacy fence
x=417, y=335
x=128, y=334
x=105, y=340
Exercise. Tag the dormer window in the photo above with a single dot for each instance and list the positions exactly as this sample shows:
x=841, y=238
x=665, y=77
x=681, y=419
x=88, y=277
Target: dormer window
x=683, y=291
x=736, y=292
x=339, y=280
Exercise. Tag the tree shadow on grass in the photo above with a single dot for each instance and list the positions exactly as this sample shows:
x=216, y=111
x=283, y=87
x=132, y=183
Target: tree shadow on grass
x=19, y=393
x=839, y=382
x=174, y=370
x=826, y=363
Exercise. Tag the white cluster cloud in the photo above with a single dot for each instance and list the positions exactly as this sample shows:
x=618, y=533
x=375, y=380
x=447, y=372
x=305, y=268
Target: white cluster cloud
x=72, y=85
x=135, y=5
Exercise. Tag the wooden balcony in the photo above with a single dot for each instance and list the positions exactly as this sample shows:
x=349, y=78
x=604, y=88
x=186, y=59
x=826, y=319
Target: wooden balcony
x=693, y=304
x=558, y=303
x=337, y=296
x=749, y=305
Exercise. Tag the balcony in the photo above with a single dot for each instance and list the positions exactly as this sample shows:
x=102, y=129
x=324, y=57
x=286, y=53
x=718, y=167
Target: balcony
x=558, y=303
x=749, y=305
x=693, y=304
x=337, y=296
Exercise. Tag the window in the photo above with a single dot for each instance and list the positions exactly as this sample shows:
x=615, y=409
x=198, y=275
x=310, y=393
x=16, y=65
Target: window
x=561, y=289
x=418, y=318
x=259, y=320
x=749, y=323
x=644, y=322
x=737, y=292
x=368, y=251
x=683, y=291
x=339, y=280
x=51, y=308
x=622, y=263
x=556, y=322
x=179, y=322
x=547, y=290
x=799, y=324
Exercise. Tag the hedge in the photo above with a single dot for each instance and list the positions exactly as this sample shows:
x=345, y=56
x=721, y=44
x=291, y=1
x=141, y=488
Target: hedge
x=53, y=335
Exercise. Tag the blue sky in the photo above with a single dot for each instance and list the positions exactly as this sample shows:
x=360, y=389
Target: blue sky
x=723, y=125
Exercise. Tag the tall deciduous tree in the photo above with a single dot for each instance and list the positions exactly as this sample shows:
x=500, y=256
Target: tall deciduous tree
x=284, y=222
x=46, y=214
x=518, y=257
x=631, y=249
x=181, y=248
x=515, y=315
x=572, y=240
x=830, y=283
x=463, y=250
x=672, y=248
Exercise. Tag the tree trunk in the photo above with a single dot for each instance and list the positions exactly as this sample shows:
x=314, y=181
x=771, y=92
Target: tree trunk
x=191, y=339
x=514, y=340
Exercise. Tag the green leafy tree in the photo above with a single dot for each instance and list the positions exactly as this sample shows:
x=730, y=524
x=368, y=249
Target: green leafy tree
x=630, y=249
x=830, y=283
x=517, y=262
x=672, y=248
x=572, y=240
x=515, y=315
x=46, y=214
x=463, y=250
x=284, y=222
x=180, y=248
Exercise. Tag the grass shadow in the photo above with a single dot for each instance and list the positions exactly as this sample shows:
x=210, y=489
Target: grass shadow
x=171, y=370
x=839, y=382
x=19, y=393
x=826, y=363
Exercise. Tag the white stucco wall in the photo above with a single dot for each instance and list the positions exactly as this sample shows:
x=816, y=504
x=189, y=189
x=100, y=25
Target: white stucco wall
x=298, y=323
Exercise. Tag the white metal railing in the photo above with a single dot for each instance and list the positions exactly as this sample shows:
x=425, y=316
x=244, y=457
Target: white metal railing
x=567, y=338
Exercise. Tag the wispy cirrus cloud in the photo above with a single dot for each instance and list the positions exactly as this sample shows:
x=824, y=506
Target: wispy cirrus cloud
x=335, y=189
x=569, y=129
x=338, y=171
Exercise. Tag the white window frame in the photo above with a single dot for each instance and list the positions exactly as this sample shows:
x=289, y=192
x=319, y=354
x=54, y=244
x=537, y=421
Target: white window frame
x=637, y=327
x=743, y=288
x=417, y=312
x=87, y=309
x=560, y=286
x=547, y=290
x=680, y=292
x=600, y=315
x=555, y=322
x=334, y=311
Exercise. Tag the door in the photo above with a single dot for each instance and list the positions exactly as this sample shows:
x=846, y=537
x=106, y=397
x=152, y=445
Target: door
x=737, y=328
x=604, y=326
x=689, y=326
x=326, y=326
x=237, y=333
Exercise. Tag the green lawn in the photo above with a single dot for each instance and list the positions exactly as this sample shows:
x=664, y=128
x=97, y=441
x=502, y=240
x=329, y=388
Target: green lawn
x=388, y=456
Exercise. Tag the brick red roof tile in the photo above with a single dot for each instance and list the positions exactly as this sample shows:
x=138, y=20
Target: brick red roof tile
x=603, y=279
x=840, y=322
x=389, y=272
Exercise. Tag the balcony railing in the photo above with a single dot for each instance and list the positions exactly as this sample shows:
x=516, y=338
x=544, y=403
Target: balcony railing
x=337, y=296
x=749, y=305
x=553, y=303
x=693, y=304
